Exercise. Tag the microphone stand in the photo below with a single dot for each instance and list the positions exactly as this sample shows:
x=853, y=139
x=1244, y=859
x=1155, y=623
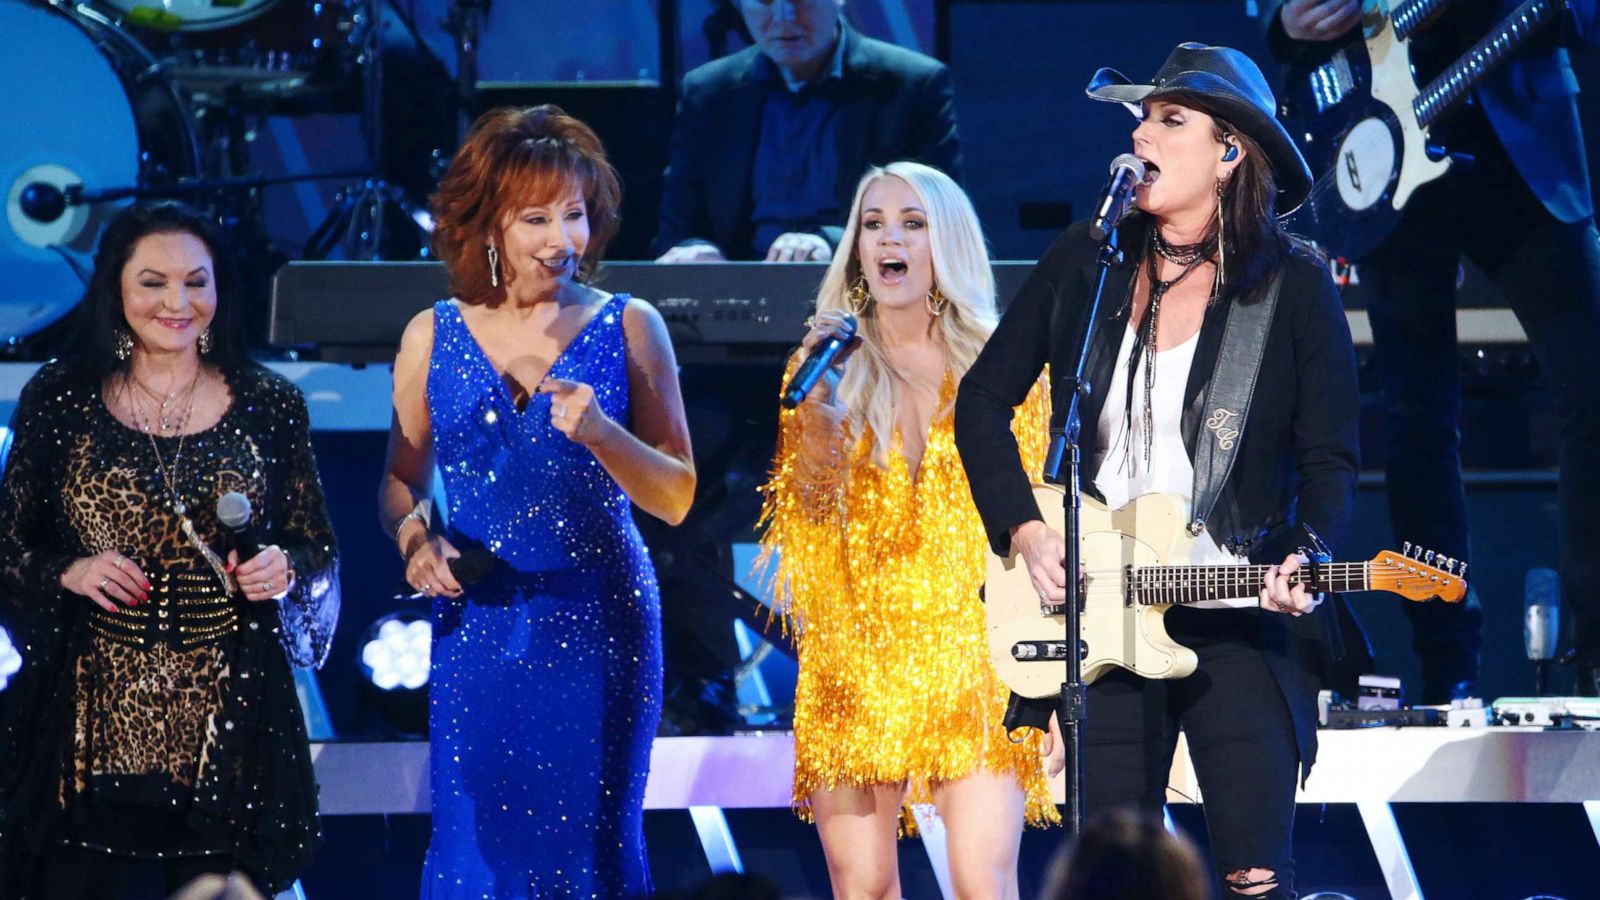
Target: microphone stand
x=1065, y=430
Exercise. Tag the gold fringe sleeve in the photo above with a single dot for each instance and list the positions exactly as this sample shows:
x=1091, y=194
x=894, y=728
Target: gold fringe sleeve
x=802, y=518
x=1031, y=426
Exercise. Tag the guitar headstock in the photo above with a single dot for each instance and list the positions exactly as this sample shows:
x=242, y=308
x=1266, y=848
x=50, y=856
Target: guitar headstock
x=1418, y=574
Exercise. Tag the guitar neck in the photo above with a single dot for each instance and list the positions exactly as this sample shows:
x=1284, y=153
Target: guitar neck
x=1153, y=585
x=1444, y=93
x=1407, y=17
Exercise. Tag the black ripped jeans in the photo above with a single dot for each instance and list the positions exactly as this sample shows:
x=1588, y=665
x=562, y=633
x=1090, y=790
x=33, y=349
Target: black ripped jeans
x=1241, y=741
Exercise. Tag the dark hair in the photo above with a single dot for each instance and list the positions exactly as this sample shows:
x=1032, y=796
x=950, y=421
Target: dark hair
x=1255, y=241
x=511, y=158
x=1127, y=855
x=100, y=319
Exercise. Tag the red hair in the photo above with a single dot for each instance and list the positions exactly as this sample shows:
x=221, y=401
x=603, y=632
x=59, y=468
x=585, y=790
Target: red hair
x=513, y=158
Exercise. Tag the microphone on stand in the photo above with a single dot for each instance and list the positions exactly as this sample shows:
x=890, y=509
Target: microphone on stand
x=1541, y=622
x=1116, y=198
x=233, y=509
x=821, y=357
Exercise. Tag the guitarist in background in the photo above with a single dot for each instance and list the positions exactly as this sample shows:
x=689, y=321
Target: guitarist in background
x=1206, y=246
x=1524, y=214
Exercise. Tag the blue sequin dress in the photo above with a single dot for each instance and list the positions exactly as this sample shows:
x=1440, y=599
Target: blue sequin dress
x=546, y=682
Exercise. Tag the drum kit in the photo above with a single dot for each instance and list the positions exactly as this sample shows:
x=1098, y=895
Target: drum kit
x=115, y=100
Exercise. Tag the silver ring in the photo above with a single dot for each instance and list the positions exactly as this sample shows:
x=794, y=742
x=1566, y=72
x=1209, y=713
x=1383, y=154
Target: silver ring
x=119, y=561
x=561, y=410
x=266, y=585
x=427, y=587
x=104, y=581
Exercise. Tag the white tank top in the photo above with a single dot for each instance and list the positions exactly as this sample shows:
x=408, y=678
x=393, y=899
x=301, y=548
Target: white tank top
x=1121, y=471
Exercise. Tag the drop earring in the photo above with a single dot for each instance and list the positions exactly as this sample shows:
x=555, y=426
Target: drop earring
x=1222, y=250
x=935, y=301
x=494, y=266
x=858, y=296
x=124, y=344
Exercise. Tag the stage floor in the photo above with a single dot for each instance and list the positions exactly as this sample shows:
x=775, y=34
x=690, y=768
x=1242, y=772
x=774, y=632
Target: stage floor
x=1500, y=812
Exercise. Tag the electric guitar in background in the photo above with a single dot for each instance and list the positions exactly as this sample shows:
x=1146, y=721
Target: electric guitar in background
x=1136, y=568
x=1366, y=127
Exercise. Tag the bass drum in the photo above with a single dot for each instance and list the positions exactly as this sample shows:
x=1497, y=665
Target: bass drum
x=87, y=105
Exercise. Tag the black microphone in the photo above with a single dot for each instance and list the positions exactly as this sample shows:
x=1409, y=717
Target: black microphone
x=233, y=509
x=822, y=356
x=472, y=566
x=1127, y=171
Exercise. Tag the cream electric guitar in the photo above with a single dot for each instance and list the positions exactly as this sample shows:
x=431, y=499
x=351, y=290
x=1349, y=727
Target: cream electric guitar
x=1136, y=568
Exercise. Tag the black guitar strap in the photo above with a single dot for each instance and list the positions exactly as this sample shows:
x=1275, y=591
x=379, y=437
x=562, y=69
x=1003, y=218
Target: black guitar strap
x=1227, y=406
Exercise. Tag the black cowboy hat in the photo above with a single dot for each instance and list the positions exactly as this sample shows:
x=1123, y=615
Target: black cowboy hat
x=1227, y=84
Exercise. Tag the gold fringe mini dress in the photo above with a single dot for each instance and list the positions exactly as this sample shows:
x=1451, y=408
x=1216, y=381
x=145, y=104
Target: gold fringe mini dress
x=875, y=570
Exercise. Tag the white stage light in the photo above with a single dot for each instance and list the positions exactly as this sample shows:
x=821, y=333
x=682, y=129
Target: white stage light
x=10, y=659
x=397, y=653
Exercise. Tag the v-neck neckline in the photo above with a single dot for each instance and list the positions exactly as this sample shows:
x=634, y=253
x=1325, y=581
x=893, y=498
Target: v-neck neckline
x=504, y=389
x=940, y=410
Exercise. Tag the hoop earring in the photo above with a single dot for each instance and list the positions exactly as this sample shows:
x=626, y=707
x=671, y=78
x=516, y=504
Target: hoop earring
x=205, y=342
x=494, y=266
x=124, y=344
x=935, y=301
x=858, y=296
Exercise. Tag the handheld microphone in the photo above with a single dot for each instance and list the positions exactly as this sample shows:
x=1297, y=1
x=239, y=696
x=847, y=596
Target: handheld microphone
x=821, y=357
x=1127, y=171
x=472, y=566
x=233, y=509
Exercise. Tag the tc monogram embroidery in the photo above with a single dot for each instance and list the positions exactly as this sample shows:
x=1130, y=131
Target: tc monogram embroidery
x=1217, y=424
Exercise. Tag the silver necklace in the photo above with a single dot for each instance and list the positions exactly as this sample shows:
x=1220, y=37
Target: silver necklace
x=169, y=474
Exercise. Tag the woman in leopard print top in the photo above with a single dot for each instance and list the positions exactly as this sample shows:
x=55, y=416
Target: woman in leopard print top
x=155, y=722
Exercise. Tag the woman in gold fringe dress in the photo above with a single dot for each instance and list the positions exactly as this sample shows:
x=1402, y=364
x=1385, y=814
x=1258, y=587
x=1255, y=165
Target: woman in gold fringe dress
x=876, y=554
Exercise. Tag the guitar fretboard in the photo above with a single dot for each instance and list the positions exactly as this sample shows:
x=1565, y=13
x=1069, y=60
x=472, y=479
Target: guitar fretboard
x=1152, y=585
x=1450, y=88
x=1407, y=16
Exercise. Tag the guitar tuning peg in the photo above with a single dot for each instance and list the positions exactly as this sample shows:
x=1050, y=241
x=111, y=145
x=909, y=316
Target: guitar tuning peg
x=1405, y=548
x=1463, y=573
x=1429, y=559
x=1452, y=561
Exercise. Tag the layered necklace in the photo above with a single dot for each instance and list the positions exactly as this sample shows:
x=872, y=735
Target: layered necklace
x=169, y=470
x=167, y=421
x=1189, y=257
x=169, y=474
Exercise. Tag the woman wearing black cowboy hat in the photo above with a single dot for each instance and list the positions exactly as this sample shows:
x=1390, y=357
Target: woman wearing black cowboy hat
x=1205, y=245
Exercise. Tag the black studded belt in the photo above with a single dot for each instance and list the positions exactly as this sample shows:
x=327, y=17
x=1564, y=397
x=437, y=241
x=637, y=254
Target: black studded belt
x=186, y=609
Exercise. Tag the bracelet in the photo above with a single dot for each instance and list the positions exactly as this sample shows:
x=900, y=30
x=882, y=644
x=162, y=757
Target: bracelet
x=402, y=524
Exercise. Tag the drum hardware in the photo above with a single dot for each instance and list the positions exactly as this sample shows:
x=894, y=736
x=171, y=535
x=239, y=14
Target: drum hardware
x=245, y=51
x=464, y=22
x=374, y=220
x=46, y=202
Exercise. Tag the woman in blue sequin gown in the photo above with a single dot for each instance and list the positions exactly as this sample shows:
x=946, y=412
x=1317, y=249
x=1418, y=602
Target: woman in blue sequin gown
x=550, y=408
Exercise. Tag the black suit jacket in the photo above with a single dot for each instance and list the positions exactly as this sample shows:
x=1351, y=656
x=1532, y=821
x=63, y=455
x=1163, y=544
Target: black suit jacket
x=1531, y=101
x=1299, y=453
x=899, y=105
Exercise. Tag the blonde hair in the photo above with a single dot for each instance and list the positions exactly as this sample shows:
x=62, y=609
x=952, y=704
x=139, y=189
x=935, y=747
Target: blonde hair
x=961, y=272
